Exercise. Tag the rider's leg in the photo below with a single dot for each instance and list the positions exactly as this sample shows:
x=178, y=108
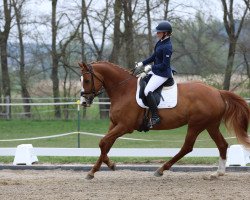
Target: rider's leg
x=154, y=82
x=155, y=119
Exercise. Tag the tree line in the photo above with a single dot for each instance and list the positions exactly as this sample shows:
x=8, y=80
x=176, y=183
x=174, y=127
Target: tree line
x=47, y=46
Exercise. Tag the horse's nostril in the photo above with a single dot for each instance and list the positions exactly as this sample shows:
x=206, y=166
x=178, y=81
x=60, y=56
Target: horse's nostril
x=84, y=104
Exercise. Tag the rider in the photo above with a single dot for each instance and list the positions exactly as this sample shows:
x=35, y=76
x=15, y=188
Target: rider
x=161, y=69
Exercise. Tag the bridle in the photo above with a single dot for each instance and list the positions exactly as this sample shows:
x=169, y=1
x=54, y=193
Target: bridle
x=93, y=93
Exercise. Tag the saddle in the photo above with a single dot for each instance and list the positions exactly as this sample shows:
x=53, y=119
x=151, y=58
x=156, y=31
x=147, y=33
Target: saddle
x=157, y=93
x=158, y=97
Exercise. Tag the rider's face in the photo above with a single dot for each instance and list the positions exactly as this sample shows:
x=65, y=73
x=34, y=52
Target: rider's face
x=160, y=34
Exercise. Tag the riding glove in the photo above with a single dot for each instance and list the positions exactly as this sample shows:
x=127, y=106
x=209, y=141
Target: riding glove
x=138, y=65
x=147, y=68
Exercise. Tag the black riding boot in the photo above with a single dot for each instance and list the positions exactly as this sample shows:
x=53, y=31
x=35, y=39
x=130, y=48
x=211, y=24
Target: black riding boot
x=155, y=119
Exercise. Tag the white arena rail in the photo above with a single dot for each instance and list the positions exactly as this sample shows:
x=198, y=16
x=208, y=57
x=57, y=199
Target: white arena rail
x=115, y=152
x=237, y=154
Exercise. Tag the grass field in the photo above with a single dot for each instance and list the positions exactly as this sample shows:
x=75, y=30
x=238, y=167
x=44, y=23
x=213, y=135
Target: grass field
x=15, y=129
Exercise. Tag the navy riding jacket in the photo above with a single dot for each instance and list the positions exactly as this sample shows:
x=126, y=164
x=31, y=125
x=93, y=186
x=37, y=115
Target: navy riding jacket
x=161, y=58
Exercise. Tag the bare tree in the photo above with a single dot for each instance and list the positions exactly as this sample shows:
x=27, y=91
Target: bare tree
x=114, y=56
x=65, y=56
x=57, y=54
x=18, y=5
x=83, y=12
x=198, y=46
x=245, y=53
x=150, y=38
x=243, y=50
x=102, y=17
x=83, y=57
x=247, y=4
x=128, y=33
x=233, y=35
x=55, y=59
x=117, y=35
x=104, y=21
x=4, y=35
x=166, y=10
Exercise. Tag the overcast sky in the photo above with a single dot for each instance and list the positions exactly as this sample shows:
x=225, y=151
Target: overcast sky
x=188, y=9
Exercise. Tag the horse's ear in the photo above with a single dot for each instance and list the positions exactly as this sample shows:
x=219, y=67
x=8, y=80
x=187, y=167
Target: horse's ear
x=83, y=65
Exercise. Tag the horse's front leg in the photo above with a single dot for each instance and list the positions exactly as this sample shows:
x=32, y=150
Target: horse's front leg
x=105, y=157
x=105, y=145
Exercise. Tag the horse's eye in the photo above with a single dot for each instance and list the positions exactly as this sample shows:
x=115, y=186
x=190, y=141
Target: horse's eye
x=86, y=81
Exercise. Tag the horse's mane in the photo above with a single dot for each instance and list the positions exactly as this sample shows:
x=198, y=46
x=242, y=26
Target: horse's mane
x=114, y=65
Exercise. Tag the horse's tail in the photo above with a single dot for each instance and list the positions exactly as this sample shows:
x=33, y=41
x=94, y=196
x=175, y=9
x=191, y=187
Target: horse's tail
x=236, y=116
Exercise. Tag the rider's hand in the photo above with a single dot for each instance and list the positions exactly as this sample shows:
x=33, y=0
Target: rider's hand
x=138, y=65
x=141, y=75
x=147, y=68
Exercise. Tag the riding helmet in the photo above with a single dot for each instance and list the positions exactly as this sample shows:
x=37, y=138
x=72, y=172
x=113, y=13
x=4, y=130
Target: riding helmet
x=164, y=26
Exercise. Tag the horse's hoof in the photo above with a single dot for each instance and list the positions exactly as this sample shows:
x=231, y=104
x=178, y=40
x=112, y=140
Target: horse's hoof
x=221, y=173
x=113, y=167
x=211, y=177
x=89, y=176
x=158, y=174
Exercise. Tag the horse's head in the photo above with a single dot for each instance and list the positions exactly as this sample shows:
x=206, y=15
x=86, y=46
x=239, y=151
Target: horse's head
x=91, y=84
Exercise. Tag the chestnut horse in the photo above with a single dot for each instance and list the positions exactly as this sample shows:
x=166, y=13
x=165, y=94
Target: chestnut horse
x=199, y=106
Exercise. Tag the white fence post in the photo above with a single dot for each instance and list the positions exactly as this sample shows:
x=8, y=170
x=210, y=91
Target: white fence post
x=238, y=156
x=8, y=107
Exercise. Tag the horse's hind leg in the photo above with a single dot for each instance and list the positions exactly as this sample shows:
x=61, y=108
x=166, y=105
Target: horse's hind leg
x=187, y=147
x=222, y=145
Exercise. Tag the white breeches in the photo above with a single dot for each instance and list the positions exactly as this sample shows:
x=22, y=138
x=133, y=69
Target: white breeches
x=154, y=82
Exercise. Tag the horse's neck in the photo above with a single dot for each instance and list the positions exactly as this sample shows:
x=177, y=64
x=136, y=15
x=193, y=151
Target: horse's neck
x=116, y=80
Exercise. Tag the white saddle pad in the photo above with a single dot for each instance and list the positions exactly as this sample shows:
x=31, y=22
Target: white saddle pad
x=169, y=96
